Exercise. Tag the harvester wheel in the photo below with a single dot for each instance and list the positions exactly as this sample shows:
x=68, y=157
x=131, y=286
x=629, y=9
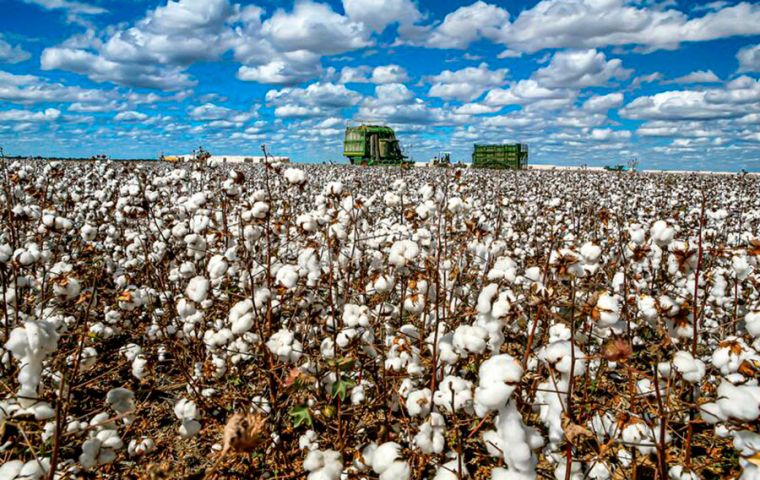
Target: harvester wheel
x=364, y=163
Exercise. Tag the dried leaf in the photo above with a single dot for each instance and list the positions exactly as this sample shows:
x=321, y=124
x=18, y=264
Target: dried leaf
x=243, y=432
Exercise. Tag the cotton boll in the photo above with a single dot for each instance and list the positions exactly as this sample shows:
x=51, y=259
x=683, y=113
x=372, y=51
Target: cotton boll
x=692, y=370
x=752, y=323
x=397, y=470
x=197, y=289
x=287, y=276
x=452, y=470
x=470, y=339
x=418, y=402
x=456, y=388
x=678, y=472
x=384, y=456
x=498, y=378
x=122, y=401
x=323, y=465
x=284, y=345
x=736, y=402
x=430, y=438
x=662, y=233
x=187, y=412
x=217, y=267
x=295, y=176
x=403, y=252
x=30, y=344
x=607, y=310
x=140, y=447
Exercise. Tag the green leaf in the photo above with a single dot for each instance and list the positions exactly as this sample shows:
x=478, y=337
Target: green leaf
x=340, y=388
x=300, y=415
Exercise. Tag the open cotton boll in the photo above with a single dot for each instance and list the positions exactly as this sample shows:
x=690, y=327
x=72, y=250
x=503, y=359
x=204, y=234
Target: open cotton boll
x=470, y=339
x=187, y=412
x=100, y=449
x=418, y=402
x=197, y=289
x=391, y=199
x=295, y=176
x=740, y=402
x=403, y=252
x=741, y=267
x=662, y=233
x=285, y=346
x=31, y=470
x=692, y=369
x=752, y=323
x=607, y=310
x=558, y=355
x=384, y=456
x=679, y=472
x=122, y=401
x=217, y=267
x=287, y=276
x=452, y=470
x=30, y=344
x=140, y=447
x=430, y=438
x=498, y=378
x=355, y=315
x=323, y=465
x=456, y=388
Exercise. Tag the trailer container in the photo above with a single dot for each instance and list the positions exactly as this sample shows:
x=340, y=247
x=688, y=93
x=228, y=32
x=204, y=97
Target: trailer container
x=506, y=156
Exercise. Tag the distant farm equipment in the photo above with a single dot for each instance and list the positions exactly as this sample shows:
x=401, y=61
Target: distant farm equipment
x=506, y=156
x=372, y=145
x=443, y=159
x=616, y=168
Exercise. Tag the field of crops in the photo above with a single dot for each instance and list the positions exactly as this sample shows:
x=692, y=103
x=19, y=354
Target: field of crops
x=331, y=323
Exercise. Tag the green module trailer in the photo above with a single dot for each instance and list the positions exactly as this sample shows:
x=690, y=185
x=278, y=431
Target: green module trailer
x=508, y=156
x=373, y=145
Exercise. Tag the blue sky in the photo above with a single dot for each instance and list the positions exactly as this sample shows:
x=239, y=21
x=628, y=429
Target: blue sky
x=675, y=84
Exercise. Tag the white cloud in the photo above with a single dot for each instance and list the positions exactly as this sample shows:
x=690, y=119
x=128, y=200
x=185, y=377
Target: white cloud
x=377, y=15
x=30, y=89
x=607, y=134
x=389, y=74
x=130, y=116
x=466, y=84
x=73, y=7
x=525, y=92
x=738, y=98
x=12, y=53
x=355, y=74
x=318, y=94
x=749, y=58
x=698, y=76
x=210, y=111
x=48, y=115
x=316, y=28
x=467, y=24
x=580, y=69
x=603, y=103
x=592, y=24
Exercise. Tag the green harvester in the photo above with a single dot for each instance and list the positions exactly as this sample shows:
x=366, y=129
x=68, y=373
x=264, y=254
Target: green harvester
x=373, y=145
x=507, y=156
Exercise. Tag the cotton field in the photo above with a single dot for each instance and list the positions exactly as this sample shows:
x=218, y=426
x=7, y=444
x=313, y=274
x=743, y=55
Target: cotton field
x=325, y=323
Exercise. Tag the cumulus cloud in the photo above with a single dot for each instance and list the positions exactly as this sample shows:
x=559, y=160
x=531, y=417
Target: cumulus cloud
x=739, y=97
x=580, y=69
x=389, y=74
x=466, y=84
x=603, y=103
x=48, y=115
x=12, y=53
x=526, y=92
x=467, y=24
x=130, y=116
x=315, y=100
x=69, y=6
x=592, y=24
x=698, y=76
x=315, y=27
x=378, y=15
x=749, y=58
